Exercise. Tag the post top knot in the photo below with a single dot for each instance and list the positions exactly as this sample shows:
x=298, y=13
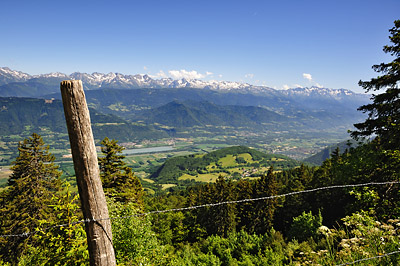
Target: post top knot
x=70, y=81
x=70, y=84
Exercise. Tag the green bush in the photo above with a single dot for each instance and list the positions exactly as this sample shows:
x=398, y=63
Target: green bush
x=305, y=226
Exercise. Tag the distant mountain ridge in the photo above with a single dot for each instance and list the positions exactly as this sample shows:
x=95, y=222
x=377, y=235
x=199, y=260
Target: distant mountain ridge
x=192, y=113
x=155, y=108
x=320, y=157
x=8, y=76
x=34, y=115
x=117, y=80
x=129, y=95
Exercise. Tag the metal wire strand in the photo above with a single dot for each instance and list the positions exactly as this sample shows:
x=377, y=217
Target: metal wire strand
x=371, y=258
x=26, y=234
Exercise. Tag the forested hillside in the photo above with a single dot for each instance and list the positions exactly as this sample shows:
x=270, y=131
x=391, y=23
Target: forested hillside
x=323, y=112
x=18, y=115
x=320, y=157
x=234, y=162
x=194, y=113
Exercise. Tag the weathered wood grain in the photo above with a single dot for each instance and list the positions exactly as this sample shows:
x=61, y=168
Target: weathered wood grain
x=84, y=155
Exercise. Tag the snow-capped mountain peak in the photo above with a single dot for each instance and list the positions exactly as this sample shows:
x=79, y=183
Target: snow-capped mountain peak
x=98, y=80
x=7, y=76
x=52, y=75
x=318, y=91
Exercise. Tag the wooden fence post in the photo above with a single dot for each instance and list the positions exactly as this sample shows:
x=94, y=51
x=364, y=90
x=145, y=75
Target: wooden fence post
x=84, y=155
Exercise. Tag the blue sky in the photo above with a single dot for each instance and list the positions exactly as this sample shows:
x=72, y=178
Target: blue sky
x=274, y=43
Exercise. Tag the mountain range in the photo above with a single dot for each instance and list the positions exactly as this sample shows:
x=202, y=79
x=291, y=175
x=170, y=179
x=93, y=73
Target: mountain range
x=50, y=83
x=176, y=104
x=141, y=91
x=117, y=80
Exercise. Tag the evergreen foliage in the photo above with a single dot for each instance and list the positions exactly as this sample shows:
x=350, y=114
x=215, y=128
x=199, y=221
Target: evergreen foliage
x=263, y=210
x=134, y=241
x=305, y=226
x=193, y=165
x=383, y=113
x=118, y=179
x=245, y=211
x=297, y=179
x=34, y=181
x=60, y=245
x=320, y=157
x=223, y=221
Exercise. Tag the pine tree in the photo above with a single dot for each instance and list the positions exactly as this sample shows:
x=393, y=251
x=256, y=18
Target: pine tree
x=245, y=215
x=263, y=210
x=34, y=161
x=223, y=217
x=61, y=245
x=384, y=112
x=383, y=123
x=198, y=220
x=118, y=179
x=34, y=181
x=298, y=179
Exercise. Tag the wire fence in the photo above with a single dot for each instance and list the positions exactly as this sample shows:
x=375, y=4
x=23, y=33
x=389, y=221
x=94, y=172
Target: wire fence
x=371, y=258
x=26, y=234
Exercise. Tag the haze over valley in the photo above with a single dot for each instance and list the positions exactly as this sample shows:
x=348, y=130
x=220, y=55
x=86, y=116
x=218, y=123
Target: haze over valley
x=135, y=108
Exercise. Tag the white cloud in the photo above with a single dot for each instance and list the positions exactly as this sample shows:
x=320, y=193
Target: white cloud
x=249, y=76
x=220, y=76
x=307, y=76
x=180, y=74
x=160, y=74
x=298, y=86
x=285, y=87
x=145, y=67
x=318, y=85
x=310, y=79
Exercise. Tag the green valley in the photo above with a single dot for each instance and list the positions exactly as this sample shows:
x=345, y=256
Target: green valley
x=235, y=163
